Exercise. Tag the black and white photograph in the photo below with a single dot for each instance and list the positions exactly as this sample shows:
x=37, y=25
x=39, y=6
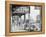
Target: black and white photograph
x=25, y=18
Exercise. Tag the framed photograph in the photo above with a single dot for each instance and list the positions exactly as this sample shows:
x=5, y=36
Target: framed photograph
x=24, y=18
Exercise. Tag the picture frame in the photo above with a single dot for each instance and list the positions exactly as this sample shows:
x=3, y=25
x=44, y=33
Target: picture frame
x=19, y=4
